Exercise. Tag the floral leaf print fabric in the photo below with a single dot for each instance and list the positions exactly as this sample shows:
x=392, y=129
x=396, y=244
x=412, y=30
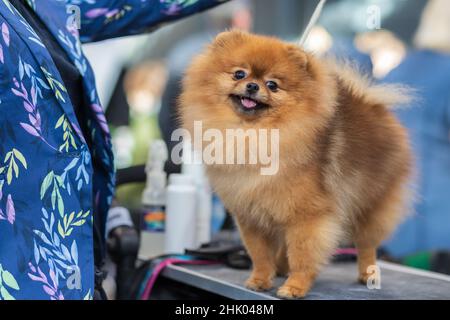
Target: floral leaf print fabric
x=103, y=19
x=10, y=164
x=10, y=212
x=7, y=283
x=50, y=195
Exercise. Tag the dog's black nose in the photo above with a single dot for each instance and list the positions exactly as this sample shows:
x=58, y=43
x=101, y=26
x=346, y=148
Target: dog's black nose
x=252, y=87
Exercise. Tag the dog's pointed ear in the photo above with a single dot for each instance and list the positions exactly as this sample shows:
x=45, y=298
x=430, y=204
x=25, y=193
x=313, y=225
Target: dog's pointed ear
x=297, y=56
x=228, y=39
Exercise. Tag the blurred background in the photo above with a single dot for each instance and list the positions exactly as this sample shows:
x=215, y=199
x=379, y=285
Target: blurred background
x=406, y=41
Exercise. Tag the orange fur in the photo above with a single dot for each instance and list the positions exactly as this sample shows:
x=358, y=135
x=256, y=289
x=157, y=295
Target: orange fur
x=344, y=159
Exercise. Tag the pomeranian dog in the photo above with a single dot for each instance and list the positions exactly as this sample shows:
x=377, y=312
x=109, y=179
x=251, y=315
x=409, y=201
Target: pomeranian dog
x=344, y=159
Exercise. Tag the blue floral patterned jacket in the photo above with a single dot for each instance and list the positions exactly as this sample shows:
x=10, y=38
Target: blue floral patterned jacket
x=48, y=190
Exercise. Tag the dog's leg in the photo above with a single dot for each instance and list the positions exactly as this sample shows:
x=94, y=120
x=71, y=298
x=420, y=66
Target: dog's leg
x=374, y=227
x=366, y=261
x=262, y=255
x=310, y=243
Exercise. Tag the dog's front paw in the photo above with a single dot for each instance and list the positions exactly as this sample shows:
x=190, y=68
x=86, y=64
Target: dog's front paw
x=363, y=278
x=367, y=278
x=256, y=284
x=290, y=292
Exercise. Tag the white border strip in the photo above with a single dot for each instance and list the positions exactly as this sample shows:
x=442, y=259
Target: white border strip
x=417, y=272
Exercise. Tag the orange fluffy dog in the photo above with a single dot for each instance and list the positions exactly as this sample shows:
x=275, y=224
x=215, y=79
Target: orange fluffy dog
x=344, y=159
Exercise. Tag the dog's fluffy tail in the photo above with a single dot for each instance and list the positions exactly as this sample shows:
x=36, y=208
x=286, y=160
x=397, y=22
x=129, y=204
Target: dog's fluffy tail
x=360, y=85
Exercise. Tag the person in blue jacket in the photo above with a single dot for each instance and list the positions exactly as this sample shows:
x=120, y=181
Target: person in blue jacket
x=56, y=162
x=426, y=68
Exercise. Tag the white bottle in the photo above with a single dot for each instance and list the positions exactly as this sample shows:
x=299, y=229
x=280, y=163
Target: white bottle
x=204, y=211
x=180, y=214
x=193, y=166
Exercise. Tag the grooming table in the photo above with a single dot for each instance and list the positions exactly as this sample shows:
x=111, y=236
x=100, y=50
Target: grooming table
x=336, y=282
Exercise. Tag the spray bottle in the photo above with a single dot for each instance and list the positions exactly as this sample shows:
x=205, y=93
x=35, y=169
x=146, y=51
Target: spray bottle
x=154, y=202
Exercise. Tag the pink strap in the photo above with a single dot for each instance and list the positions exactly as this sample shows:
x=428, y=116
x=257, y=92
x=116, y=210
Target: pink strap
x=351, y=251
x=160, y=267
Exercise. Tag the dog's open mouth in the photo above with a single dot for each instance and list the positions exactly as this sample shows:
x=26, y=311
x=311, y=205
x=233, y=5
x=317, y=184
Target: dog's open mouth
x=247, y=105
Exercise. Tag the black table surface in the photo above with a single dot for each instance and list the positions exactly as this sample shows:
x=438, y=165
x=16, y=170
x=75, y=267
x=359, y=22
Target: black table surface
x=336, y=281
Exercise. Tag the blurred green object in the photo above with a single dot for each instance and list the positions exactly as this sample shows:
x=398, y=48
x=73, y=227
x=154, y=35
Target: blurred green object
x=436, y=261
x=144, y=130
x=420, y=260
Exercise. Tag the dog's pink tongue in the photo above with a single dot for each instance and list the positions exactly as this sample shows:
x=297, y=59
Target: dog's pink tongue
x=248, y=103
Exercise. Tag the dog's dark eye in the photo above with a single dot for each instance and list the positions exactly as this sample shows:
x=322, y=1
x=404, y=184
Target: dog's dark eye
x=239, y=75
x=273, y=86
